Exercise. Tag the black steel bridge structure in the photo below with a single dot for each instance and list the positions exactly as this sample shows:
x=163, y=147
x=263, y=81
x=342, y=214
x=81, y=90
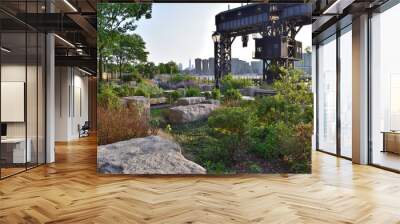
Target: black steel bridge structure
x=276, y=23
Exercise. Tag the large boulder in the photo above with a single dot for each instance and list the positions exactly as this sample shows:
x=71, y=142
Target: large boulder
x=149, y=155
x=206, y=87
x=256, y=91
x=158, y=100
x=190, y=100
x=139, y=102
x=190, y=113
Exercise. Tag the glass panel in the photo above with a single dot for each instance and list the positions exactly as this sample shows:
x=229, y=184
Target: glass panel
x=346, y=94
x=13, y=87
x=31, y=98
x=327, y=96
x=385, y=84
x=41, y=99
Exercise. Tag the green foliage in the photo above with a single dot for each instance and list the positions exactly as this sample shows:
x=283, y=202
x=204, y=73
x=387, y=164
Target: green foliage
x=232, y=95
x=114, y=22
x=147, y=70
x=179, y=78
x=176, y=95
x=107, y=97
x=229, y=82
x=266, y=141
x=148, y=90
x=154, y=126
x=128, y=78
x=216, y=94
x=254, y=168
x=232, y=125
x=123, y=90
x=191, y=91
x=293, y=88
x=168, y=68
x=278, y=108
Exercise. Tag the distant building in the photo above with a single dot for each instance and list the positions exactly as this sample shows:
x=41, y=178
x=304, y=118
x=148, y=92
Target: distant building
x=204, y=69
x=211, y=66
x=197, y=65
x=305, y=64
x=190, y=64
x=180, y=67
x=256, y=67
x=240, y=67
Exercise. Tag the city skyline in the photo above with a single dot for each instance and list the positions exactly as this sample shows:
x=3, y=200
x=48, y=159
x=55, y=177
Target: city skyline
x=188, y=35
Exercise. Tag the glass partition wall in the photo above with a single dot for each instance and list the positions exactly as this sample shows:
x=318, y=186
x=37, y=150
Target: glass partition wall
x=327, y=95
x=22, y=77
x=385, y=89
x=334, y=93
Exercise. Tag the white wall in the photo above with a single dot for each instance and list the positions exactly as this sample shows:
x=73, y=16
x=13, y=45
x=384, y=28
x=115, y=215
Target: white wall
x=71, y=94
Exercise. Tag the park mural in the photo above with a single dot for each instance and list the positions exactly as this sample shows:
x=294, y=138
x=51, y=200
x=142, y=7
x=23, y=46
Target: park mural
x=220, y=115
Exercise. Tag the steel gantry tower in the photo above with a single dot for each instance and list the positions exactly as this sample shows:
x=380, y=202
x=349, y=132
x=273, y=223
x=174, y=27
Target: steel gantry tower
x=276, y=23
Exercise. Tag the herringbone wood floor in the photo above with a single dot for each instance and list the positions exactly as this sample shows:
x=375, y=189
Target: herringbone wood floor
x=70, y=191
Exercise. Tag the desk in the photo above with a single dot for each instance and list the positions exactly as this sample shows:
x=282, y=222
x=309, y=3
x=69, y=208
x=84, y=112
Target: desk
x=13, y=150
x=391, y=141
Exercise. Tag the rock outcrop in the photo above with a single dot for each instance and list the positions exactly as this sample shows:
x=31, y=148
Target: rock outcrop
x=149, y=155
x=158, y=100
x=256, y=91
x=190, y=113
x=139, y=102
x=190, y=100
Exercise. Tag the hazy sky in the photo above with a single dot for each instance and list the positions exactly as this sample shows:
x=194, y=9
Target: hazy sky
x=180, y=32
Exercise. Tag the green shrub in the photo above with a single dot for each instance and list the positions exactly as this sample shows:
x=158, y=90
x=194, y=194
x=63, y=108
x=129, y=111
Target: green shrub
x=148, y=90
x=179, y=78
x=254, y=168
x=207, y=95
x=229, y=82
x=107, y=97
x=154, y=126
x=232, y=125
x=176, y=95
x=190, y=92
x=266, y=141
x=124, y=90
x=232, y=95
x=216, y=94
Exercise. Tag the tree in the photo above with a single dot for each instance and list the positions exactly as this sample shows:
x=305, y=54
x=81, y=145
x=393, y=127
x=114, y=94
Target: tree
x=168, y=68
x=114, y=19
x=129, y=49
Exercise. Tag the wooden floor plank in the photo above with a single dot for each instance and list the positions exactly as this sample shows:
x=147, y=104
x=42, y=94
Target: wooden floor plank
x=70, y=191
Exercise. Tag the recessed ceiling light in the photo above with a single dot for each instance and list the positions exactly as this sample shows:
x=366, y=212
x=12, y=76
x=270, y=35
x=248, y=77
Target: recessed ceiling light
x=65, y=41
x=5, y=50
x=70, y=5
x=86, y=72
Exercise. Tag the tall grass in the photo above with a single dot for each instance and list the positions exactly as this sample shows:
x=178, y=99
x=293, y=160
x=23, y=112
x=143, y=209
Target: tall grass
x=121, y=123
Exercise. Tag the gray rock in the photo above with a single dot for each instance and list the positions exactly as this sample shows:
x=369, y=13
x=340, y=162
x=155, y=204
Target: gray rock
x=248, y=98
x=206, y=87
x=255, y=91
x=140, y=102
x=190, y=100
x=149, y=155
x=212, y=101
x=190, y=113
x=158, y=100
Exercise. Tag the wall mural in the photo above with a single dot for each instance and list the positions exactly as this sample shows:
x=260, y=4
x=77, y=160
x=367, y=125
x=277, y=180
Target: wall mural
x=204, y=88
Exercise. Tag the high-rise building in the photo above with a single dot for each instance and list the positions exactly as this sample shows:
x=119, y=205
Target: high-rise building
x=211, y=66
x=180, y=67
x=240, y=67
x=204, y=69
x=305, y=64
x=256, y=67
x=197, y=64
